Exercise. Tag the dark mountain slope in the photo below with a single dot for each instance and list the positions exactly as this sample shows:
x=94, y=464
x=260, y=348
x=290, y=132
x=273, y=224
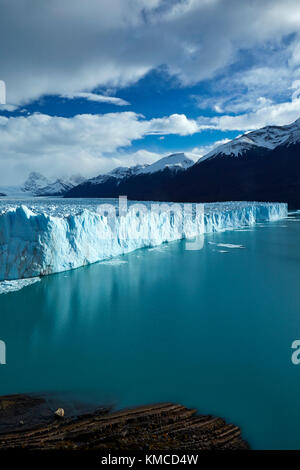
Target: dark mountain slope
x=263, y=165
x=260, y=175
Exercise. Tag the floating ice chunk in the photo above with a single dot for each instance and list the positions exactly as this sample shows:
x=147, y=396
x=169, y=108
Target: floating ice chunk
x=157, y=248
x=114, y=262
x=12, y=286
x=229, y=245
x=226, y=245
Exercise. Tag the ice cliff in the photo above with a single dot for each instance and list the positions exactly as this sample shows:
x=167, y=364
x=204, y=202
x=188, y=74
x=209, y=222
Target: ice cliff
x=35, y=242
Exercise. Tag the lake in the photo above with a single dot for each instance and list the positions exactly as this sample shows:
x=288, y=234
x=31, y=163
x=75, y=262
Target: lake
x=211, y=329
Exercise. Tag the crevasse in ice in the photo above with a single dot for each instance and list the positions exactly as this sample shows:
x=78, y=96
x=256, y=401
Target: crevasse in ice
x=36, y=242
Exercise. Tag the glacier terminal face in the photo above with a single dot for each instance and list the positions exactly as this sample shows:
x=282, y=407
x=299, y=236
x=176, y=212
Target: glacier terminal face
x=42, y=238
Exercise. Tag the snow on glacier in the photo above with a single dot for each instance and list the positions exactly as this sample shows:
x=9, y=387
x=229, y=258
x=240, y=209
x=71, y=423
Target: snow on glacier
x=51, y=237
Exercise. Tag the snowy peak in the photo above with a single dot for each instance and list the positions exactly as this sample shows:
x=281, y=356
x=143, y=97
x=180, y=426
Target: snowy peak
x=124, y=171
x=268, y=137
x=176, y=161
x=35, y=182
x=38, y=185
x=76, y=179
x=56, y=188
x=119, y=173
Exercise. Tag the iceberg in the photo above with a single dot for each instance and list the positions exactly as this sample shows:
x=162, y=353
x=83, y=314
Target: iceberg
x=36, y=241
x=6, y=287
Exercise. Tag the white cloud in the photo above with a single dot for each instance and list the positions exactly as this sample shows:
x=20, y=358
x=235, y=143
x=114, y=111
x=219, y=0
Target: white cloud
x=250, y=89
x=97, y=98
x=233, y=104
x=138, y=157
x=90, y=143
x=8, y=107
x=64, y=47
x=276, y=114
x=174, y=124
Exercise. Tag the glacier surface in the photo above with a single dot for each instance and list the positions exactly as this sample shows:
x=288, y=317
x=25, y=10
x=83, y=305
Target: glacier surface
x=45, y=238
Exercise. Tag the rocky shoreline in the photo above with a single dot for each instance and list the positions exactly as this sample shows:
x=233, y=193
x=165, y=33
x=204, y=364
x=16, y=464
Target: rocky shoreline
x=28, y=422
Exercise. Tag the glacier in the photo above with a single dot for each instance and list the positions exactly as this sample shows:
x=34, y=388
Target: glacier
x=37, y=240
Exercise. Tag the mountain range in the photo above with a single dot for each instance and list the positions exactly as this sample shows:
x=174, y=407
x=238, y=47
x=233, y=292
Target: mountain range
x=38, y=185
x=262, y=165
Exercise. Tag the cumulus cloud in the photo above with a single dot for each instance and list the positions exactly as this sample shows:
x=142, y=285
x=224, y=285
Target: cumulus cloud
x=175, y=124
x=91, y=143
x=64, y=47
x=132, y=158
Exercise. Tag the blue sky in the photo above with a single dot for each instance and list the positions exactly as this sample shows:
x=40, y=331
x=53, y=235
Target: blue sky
x=93, y=85
x=153, y=96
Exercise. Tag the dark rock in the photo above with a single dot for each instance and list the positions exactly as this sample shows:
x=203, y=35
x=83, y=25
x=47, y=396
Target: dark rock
x=157, y=427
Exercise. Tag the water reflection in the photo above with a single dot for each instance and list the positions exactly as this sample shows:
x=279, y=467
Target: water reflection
x=208, y=329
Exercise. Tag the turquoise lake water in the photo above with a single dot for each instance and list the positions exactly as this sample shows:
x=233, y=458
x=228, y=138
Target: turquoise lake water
x=211, y=329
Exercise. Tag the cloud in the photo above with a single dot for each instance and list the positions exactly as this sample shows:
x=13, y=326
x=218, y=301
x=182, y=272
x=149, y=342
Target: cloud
x=233, y=104
x=175, y=124
x=91, y=143
x=130, y=158
x=2, y=93
x=97, y=98
x=8, y=107
x=275, y=114
x=249, y=90
x=64, y=47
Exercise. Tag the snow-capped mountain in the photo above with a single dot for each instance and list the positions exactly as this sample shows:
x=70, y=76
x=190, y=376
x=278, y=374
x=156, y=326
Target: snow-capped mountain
x=124, y=172
x=105, y=185
x=263, y=165
x=60, y=186
x=118, y=173
x=268, y=137
x=176, y=161
x=38, y=185
x=35, y=182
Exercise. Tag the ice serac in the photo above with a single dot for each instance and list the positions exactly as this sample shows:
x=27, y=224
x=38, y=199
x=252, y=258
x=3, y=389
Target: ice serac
x=36, y=243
